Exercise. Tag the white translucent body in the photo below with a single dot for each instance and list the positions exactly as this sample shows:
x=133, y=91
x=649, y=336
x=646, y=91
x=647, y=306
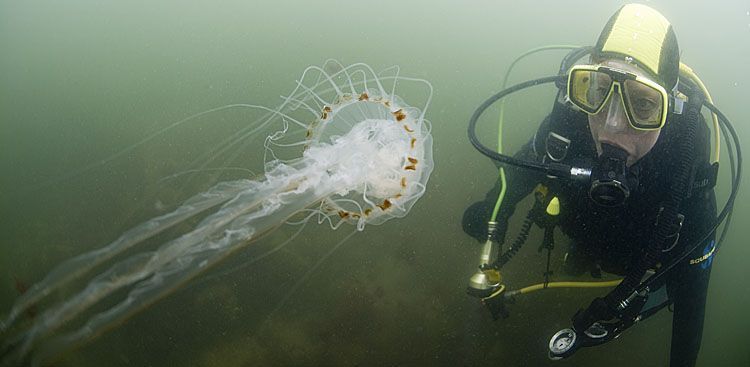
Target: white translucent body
x=365, y=158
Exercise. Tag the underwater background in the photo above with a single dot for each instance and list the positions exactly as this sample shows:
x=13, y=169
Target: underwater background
x=83, y=80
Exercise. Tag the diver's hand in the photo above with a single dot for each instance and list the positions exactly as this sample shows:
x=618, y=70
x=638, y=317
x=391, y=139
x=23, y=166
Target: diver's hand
x=475, y=221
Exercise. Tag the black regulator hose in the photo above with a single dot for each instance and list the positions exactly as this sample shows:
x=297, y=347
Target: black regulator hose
x=553, y=169
x=570, y=59
x=733, y=173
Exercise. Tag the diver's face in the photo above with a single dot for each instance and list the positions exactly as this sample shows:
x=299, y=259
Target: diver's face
x=611, y=124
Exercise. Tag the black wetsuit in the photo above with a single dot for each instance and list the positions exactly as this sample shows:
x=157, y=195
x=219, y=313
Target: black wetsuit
x=613, y=239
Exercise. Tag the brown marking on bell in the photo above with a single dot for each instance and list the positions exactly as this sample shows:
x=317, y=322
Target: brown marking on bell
x=403, y=181
x=387, y=103
x=368, y=211
x=397, y=196
x=400, y=115
x=364, y=96
x=413, y=141
x=343, y=214
x=411, y=167
x=326, y=111
x=385, y=205
x=412, y=160
x=308, y=134
x=355, y=215
x=407, y=128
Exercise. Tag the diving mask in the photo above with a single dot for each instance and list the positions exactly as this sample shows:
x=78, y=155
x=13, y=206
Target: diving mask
x=646, y=102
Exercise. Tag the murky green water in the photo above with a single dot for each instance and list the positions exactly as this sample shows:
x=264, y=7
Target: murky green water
x=82, y=80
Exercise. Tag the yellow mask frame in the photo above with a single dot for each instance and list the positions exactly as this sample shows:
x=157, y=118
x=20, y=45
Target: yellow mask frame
x=646, y=102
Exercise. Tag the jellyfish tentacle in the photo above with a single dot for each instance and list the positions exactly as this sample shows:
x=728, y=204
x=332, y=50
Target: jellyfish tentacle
x=303, y=103
x=395, y=82
x=429, y=95
x=81, y=264
x=377, y=80
x=139, y=266
x=363, y=82
x=315, y=95
x=250, y=172
x=254, y=260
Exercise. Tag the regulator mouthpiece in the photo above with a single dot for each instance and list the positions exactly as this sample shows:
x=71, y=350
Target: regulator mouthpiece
x=609, y=185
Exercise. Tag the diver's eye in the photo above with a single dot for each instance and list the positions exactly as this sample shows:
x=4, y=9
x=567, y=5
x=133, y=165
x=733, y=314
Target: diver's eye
x=644, y=104
x=600, y=92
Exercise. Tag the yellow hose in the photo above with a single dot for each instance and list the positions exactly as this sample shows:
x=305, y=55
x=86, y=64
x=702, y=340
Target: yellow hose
x=503, y=182
x=536, y=287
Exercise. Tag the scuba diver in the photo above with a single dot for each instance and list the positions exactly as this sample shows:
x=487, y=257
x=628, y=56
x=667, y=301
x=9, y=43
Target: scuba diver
x=622, y=165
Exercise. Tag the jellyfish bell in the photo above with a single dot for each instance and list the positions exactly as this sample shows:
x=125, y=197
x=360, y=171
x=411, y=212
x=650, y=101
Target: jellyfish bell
x=346, y=149
x=388, y=170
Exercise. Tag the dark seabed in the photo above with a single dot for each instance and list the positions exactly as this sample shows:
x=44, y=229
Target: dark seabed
x=83, y=80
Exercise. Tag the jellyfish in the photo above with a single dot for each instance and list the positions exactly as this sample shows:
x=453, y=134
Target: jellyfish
x=345, y=149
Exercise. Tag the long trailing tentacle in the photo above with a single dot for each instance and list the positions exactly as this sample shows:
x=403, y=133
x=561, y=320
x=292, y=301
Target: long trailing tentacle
x=82, y=264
